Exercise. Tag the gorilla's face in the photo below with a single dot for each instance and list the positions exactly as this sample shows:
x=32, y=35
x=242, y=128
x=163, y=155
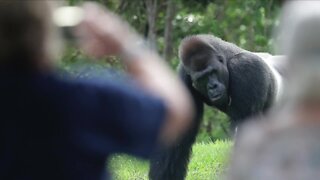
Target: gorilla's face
x=209, y=74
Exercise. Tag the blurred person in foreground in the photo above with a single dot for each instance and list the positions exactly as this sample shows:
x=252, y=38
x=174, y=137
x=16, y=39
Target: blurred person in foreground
x=58, y=129
x=286, y=144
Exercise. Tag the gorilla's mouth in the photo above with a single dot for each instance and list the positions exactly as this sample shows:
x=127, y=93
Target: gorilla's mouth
x=215, y=97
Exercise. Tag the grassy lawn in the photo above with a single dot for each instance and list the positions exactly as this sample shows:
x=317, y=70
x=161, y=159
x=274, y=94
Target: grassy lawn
x=208, y=162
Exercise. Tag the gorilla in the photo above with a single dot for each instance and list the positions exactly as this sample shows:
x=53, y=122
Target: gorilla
x=239, y=83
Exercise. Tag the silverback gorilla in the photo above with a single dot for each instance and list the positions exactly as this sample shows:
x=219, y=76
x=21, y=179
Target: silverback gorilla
x=239, y=83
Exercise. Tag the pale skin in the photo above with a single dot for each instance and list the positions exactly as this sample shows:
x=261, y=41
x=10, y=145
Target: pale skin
x=102, y=33
x=308, y=112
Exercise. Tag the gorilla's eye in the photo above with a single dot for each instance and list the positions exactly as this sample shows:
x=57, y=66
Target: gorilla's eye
x=200, y=83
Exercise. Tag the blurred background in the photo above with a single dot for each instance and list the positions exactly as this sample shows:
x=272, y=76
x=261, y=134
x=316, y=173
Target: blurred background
x=164, y=23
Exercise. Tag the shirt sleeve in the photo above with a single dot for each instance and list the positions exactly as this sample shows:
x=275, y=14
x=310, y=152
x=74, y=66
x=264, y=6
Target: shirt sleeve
x=119, y=118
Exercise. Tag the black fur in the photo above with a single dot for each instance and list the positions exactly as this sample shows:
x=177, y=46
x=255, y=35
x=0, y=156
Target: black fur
x=249, y=91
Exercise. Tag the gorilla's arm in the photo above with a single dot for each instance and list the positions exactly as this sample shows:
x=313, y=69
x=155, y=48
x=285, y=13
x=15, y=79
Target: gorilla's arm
x=251, y=87
x=171, y=163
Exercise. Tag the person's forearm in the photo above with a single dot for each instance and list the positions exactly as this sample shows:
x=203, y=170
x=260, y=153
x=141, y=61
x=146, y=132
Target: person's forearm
x=153, y=74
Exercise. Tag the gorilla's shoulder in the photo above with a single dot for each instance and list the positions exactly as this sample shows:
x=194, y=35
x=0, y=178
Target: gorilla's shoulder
x=248, y=66
x=246, y=58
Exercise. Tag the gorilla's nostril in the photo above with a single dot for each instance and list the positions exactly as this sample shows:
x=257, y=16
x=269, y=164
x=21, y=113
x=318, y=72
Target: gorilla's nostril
x=215, y=86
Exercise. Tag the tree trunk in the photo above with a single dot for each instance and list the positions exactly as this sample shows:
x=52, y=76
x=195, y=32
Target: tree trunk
x=152, y=16
x=122, y=6
x=171, y=12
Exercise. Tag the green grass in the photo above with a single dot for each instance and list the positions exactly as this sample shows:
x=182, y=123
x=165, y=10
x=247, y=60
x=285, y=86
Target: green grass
x=208, y=162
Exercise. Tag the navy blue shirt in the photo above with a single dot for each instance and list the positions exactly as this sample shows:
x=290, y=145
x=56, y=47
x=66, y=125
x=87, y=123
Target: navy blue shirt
x=59, y=129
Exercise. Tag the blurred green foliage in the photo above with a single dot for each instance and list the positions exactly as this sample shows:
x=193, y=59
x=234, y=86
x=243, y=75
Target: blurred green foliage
x=247, y=23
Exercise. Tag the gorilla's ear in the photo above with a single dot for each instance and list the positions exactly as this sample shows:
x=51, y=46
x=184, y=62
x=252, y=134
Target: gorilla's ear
x=191, y=45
